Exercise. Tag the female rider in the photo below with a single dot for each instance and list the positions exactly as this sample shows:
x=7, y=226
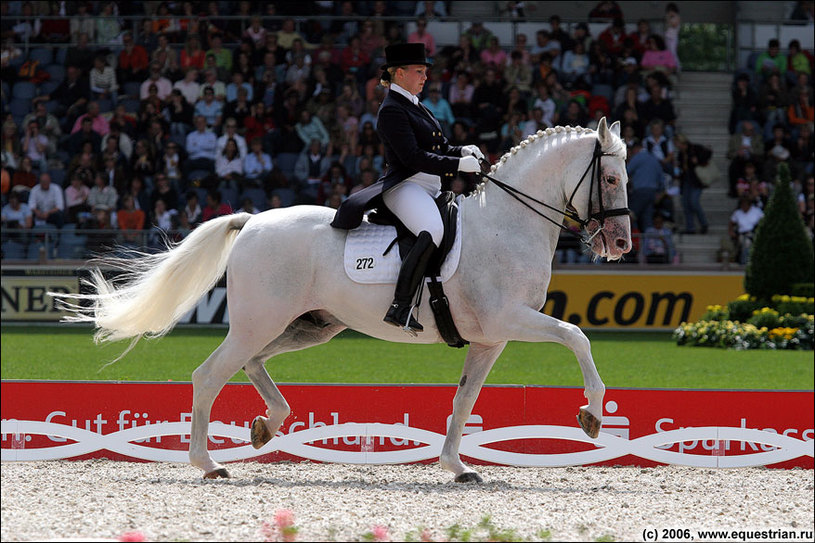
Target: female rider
x=417, y=156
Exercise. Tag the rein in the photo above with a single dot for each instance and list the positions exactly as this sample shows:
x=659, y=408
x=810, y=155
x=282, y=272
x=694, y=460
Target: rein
x=570, y=212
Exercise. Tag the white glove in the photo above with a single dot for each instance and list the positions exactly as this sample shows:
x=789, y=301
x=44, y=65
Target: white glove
x=469, y=164
x=472, y=150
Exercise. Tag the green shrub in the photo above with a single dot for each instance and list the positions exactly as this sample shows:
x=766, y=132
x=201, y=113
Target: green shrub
x=781, y=255
x=807, y=290
x=741, y=309
x=765, y=318
x=715, y=313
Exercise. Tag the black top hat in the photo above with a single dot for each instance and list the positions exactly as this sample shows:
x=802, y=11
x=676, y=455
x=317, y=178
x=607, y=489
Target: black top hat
x=404, y=54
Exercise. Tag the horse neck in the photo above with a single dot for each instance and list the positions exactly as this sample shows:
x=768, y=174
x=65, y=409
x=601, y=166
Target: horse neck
x=548, y=169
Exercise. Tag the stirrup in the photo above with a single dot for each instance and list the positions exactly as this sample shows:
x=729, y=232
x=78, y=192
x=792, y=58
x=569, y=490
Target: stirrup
x=396, y=316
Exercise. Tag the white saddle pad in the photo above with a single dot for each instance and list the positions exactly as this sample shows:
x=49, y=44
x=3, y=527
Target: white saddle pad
x=364, y=246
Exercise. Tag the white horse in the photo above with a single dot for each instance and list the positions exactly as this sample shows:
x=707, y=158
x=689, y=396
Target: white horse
x=287, y=290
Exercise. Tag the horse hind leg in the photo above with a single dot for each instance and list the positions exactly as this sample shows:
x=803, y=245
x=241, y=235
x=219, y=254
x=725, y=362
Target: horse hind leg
x=308, y=330
x=207, y=381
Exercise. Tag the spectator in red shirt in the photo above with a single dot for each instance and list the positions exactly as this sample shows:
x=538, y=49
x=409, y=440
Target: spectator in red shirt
x=260, y=124
x=192, y=55
x=354, y=59
x=214, y=207
x=133, y=61
x=640, y=36
x=613, y=36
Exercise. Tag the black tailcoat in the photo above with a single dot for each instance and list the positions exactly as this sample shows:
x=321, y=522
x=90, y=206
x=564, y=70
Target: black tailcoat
x=414, y=143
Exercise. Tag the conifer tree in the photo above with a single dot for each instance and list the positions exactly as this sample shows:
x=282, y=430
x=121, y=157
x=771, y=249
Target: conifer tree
x=782, y=251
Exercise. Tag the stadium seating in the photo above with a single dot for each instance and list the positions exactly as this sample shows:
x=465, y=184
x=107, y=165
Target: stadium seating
x=131, y=89
x=58, y=176
x=48, y=87
x=286, y=162
x=19, y=108
x=230, y=196
x=14, y=250
x=24, y=89
x=60, y=56
x=287, y=196
x=105, y=105
x=42, y=55
x=56, y=71
x=131, y=105
x=258, y=197
x=71, y=244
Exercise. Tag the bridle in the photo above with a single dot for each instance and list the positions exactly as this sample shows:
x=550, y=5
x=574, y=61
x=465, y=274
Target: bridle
x=594, y=180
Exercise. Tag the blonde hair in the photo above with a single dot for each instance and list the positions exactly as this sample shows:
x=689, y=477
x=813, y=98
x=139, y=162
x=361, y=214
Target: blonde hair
x=387, y=76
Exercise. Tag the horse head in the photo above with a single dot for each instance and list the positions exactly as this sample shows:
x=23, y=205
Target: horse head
x=608, y=230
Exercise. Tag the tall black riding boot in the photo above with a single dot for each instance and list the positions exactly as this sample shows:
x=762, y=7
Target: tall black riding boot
x=411, y=275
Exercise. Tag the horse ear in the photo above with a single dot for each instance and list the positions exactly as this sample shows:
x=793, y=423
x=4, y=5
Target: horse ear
x=615, y=128
x=602, y=130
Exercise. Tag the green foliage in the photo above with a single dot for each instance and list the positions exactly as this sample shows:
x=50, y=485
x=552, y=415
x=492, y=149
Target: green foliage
x=742, y=336
x=781, y=255
x=807, y=290
x=606, y=537
x=715, y=313
x=704, y=47
x=544, y=535
x=765, y=318
x=742, y=309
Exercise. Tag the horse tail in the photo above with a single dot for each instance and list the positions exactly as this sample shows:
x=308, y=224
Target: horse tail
x=156, y=290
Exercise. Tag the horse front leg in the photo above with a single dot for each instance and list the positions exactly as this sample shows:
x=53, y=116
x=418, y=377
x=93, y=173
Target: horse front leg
x=534, y=326
x=477, y=366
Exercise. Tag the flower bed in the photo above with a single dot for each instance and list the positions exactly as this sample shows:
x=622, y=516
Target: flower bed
x=746, y=323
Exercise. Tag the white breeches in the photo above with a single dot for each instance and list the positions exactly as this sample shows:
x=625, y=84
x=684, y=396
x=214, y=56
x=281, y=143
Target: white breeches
x=413, y=201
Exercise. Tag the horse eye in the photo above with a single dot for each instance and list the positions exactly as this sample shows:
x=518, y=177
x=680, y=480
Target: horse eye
x=611, y=180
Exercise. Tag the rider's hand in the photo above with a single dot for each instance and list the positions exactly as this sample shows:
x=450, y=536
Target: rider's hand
x=469, y=164
x=472, y=150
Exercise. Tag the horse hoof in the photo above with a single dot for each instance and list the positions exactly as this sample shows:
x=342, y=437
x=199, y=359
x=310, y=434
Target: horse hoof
x=260, y=434
x=469, y=477
x=218, y=473
x=589, y=423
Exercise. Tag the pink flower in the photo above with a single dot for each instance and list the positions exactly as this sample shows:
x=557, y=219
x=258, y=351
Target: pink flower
x=132, y=536
x=268, y=531
x=284, y=518
x=426, y=535
x=381, y=533
x=283, y=528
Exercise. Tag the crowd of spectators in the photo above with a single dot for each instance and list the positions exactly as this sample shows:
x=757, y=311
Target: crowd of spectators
x=163, y=122
x=771, y=122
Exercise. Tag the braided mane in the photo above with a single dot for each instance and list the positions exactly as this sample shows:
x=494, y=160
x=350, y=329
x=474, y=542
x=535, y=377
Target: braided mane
x=617, y=148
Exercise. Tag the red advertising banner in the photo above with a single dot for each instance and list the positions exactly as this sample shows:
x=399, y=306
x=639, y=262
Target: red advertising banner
x=512, y=425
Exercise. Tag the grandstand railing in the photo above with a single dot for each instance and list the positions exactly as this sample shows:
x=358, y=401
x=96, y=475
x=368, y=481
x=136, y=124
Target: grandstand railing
x=446, y=32
x=51, y=245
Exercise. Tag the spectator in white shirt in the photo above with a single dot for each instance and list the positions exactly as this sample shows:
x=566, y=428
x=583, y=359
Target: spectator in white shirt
x=230, y=132
x=201, y=147
x=163, y=84
x=36, y=145
x=189, y=87
x=743, y=223
x=257, y=165
x=103, y=81
x=47, y=203
x=229, y=165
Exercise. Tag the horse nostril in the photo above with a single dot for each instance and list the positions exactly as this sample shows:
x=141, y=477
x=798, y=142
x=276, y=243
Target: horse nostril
x=623, y=244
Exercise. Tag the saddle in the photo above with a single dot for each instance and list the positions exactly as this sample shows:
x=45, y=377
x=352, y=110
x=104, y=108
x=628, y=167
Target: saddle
x=405, y=240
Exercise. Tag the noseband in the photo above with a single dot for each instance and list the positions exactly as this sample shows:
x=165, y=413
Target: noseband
x=570, y=211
